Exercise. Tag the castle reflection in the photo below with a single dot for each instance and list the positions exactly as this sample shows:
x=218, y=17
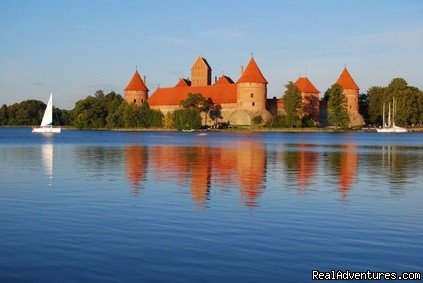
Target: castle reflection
x=342, y=163
x=136, y=162
x=243, y=166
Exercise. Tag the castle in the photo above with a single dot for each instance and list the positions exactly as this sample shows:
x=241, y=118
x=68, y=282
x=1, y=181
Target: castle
x=239, y=101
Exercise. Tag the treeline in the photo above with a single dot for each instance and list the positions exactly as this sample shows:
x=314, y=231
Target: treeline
x=409, y=103
x=30, y=113
x=112, y=111
x=409, y=106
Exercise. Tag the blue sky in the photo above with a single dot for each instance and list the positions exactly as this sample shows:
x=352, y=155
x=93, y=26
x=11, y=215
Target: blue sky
x=74, y=48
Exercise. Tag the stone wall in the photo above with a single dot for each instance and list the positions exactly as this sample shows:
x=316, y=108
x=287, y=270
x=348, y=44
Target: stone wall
x=251, y=96
x=137, y=97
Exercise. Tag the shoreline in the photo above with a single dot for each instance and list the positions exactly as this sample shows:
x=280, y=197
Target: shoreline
x=247, y=129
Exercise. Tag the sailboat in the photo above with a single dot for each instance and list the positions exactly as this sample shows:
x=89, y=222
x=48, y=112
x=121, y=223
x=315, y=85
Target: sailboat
x=390, y=127
x=47, y=122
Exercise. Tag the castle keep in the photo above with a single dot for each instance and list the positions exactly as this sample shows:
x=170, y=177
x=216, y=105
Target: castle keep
x=241, y=100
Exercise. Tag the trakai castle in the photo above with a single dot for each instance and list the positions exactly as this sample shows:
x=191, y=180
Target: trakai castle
x=240, y=100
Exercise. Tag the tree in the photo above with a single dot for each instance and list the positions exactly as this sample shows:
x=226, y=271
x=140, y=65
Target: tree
x=293, y=105
x=197, y=101
x=363, y=107
x=215, y=112
x=257, y=120
x=3, y=115
x=93, y=111
x=376, y=97
x=187, y=119
x=337, y=106
x=276, y=121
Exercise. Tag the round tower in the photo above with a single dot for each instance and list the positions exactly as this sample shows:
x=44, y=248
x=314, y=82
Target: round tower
x=351, y=92
x=252, y=88
x=136, y=92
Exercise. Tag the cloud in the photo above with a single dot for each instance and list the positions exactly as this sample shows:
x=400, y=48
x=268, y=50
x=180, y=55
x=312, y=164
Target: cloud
x=170, y=39
x=227, y=32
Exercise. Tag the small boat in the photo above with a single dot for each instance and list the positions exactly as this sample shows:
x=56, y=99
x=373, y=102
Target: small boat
x=47, y=122
x=390, y=128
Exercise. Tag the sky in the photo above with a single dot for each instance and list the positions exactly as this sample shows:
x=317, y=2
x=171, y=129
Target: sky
x=74, y=48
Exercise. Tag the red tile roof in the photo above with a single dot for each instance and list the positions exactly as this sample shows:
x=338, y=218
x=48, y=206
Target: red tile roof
x=183, y=83
x=224, y=80
x=304, y=85
x=346, y=81
x=219, y=93
x=252, y=74
x=201, y=60
x=136, y=83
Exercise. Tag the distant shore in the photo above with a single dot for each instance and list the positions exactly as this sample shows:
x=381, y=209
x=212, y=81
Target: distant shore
x=253, y=129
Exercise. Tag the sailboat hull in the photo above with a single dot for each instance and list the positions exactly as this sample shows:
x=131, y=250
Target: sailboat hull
x=394, y=129
x=47, y=130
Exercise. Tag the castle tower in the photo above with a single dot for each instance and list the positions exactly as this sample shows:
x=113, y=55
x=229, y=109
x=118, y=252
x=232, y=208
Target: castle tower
x=200, y=72
x=350, y=90
x=136, y=91
x=309, y=97
x=252, y=88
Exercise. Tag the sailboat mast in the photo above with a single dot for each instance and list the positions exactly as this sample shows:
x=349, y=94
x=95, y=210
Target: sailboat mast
x=394, y=110
x=383, y=116
x=389, y=115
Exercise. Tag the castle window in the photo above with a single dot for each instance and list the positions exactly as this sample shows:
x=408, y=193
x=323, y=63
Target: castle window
x=252, y=104
x=135, y=101
x=142, y=100
x=252, y=95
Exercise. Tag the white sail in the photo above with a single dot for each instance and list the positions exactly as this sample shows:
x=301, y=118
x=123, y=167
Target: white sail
x=48, y=114
x=46, y=123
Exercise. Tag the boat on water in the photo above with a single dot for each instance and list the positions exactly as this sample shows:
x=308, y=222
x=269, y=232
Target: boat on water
x=390, y=127
x=47, y=122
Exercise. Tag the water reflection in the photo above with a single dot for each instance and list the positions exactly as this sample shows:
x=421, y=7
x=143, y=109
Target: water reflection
x=242, y=167
x=300, y=165
x=47, y=158
x=136, y=162
x=197, y=167
x=342, y=164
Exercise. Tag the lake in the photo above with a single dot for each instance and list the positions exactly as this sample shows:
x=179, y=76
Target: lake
x=99, y=206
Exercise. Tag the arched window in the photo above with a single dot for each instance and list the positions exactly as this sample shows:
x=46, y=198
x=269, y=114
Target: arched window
x=252, y=104
x=135, y=101
x=252, y=95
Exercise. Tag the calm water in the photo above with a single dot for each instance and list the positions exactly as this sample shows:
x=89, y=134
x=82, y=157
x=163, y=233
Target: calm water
x=182, y=207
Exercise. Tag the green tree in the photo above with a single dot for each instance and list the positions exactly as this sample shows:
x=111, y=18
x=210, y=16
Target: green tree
x=276, y=121
x=215, y=113
x=337, y=106
x=187, y=119
x=257, y=120
x=376, y=97
x=3, y=115
x=197, y=101
x=293, y=105
x=92, y=112
x=363, y=107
